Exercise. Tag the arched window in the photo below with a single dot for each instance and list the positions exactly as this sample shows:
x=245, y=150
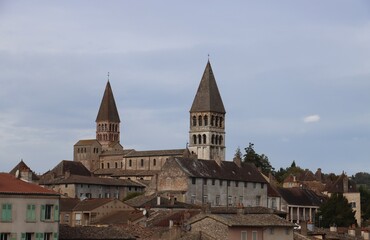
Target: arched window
x=108, y=165
x=110, y=127
x=221, y=121
x=199, y=139
x=116, y=128
x=212, y=120
x=142, y=162
x=78, y=150
x=221, y=139
x=102, y=165
x=194, y=139
x=194, y=120
x=115, y=165
x=130, y=163
x=213, y=139
x=154, y=162
x=216, y=139
x=200, y=120
x=205, y=120
x=121, y=164
x=216, y=121
x=204, y=139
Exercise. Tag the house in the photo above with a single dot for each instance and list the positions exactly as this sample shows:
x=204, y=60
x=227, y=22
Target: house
x=27, y=211
x=241, y=226
x=300, y=204
x=22, y=171
x=73, y=179
x=75, y=212
x=219, y=183
x=347, y=187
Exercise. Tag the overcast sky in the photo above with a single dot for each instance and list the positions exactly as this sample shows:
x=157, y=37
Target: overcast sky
x=294, y=76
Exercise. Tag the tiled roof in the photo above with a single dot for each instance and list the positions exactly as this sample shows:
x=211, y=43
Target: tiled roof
x=338, y=185
x=11, y=185
x=90, y=204
x=108, y=110
x=244, y=220
x=67, y=204
x=116, y=172
x=208, y=97
x=299, y=196
x=246, y=210
x=72, y=167
x=121, y=217
x=85, y=142
x=22, y=166
x=149, y=153
x=151, y=202
x=226, y=170
x=75, y=179
x=177, y=217
x=94, y=233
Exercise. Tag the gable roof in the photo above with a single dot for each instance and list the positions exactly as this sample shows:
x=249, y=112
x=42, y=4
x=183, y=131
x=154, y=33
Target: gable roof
x=241, y=220
x=108, y=110
x=11, y=185
x=143, y=201
x=87, y=142
x=225, y=171
x=90, y=204
x=342, y=185
x=299, y=196
x=208, y=97
x=22, y=166
x=73, y=167
x=67, y=204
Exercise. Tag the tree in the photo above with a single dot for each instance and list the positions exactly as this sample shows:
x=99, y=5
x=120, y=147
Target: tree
x=365, y=204
x=260, y=161
x=336, y=211
x=238, y=153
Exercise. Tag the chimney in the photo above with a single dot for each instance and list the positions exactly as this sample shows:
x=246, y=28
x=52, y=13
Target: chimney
x=237, y=161
x=318, y=175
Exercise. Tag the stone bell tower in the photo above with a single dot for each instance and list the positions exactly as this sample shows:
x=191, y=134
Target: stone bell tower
x=207, y=120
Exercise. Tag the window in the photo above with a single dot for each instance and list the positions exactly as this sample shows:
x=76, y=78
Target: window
x=229, y=201
x=271, y=230
x=254, y=235
x=107, y=195
x=228, y=183
x=142, y=162
x=236, y=184
x=353, y=204
x=205, y=181
x=102, y=165
x=212, y=120
x=200, y=120
x=66, y=218
x=27, y=236
x=130, y=163
x=213, y=139
x=78, y=218
x=220, y=182
x=115, y=164
x=262, y=185
x=4, y=236
x=213, y=181
x=154, y=162
x=243, y=235
x=6, y=212
x=194, y=139
x=193, y=180
x=258, y=200
x=192, y=199
x=254, y=185
x=245, y=184
x=47, y=236
x=48, y=211
x=205, y=199
x=204, y=139
x=194, y=121
x=107, y=165
x=240, y=199
x=199, y=139
x=31, y=213
x=205, y=120
x=218, y=200
x=273, y=203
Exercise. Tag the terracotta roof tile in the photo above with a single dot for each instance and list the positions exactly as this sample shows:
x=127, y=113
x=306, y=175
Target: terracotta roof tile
x=11, y=185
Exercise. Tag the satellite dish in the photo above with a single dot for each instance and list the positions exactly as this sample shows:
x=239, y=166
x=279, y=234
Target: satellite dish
x=17, y=173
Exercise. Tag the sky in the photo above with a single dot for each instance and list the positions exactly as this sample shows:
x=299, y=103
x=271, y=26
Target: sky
x=294, y=77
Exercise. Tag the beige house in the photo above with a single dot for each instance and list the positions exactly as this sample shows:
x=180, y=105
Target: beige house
x=241, y=226
x=89, y=211
x=27, y=211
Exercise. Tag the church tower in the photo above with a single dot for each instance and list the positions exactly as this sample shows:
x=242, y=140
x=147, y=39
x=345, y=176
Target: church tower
x=107, y=121
x=207, y=120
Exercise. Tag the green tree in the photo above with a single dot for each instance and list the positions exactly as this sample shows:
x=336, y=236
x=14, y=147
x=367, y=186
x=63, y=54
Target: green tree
x=282, y=173
x=336, y=211
x=365, y=205
x=238, y=153
x=260, y=161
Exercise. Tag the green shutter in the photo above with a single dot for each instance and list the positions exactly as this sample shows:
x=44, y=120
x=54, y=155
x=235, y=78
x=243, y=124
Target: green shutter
x=55, y=236
x=56, y=213
x=23, y=236
x=3, y=212
x=37, y=236
x=28, y=212
x=6, y=213
x=9, y=213
x=42, y=213
x=33, y=212
x=13, y=236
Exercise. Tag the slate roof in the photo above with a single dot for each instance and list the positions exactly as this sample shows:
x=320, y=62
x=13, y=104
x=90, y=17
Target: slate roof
x=73, y=167
x=208, y=97
x=143, y=201
x=91, y=233
x=22, y=166
x=90, y=204
x=121, y=217
x=76, y=179
x=301, y=197
x=108, y=110
x=9, y=184
x=246, y=220
x=338, y=185
x=226, y=170
x=247, y=210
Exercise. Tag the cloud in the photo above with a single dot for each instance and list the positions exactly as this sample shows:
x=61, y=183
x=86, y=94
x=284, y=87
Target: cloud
x=311, y=118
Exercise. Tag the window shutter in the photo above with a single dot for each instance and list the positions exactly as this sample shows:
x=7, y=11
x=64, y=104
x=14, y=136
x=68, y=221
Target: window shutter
x=33, y=212
x=13, y=236
x=56, y=213
x=3, y=212
x=9, y=215
x=55, y=236
x=23, y=236
x=28, y=212
x=42, y=213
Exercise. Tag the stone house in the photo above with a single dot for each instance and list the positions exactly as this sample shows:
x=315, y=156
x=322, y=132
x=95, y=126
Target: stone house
x=89, y=211
x=27, y=211
x=72, y=179
x=241, y=226
x=22, y=171
x=219, y=183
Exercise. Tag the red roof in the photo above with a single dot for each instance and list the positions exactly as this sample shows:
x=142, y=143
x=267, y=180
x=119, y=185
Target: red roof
x=9, y=184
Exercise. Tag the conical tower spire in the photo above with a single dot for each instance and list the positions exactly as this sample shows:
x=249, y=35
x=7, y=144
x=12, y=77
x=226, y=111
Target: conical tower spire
x=208, y=97
x=207, y=120
x=107, y=120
